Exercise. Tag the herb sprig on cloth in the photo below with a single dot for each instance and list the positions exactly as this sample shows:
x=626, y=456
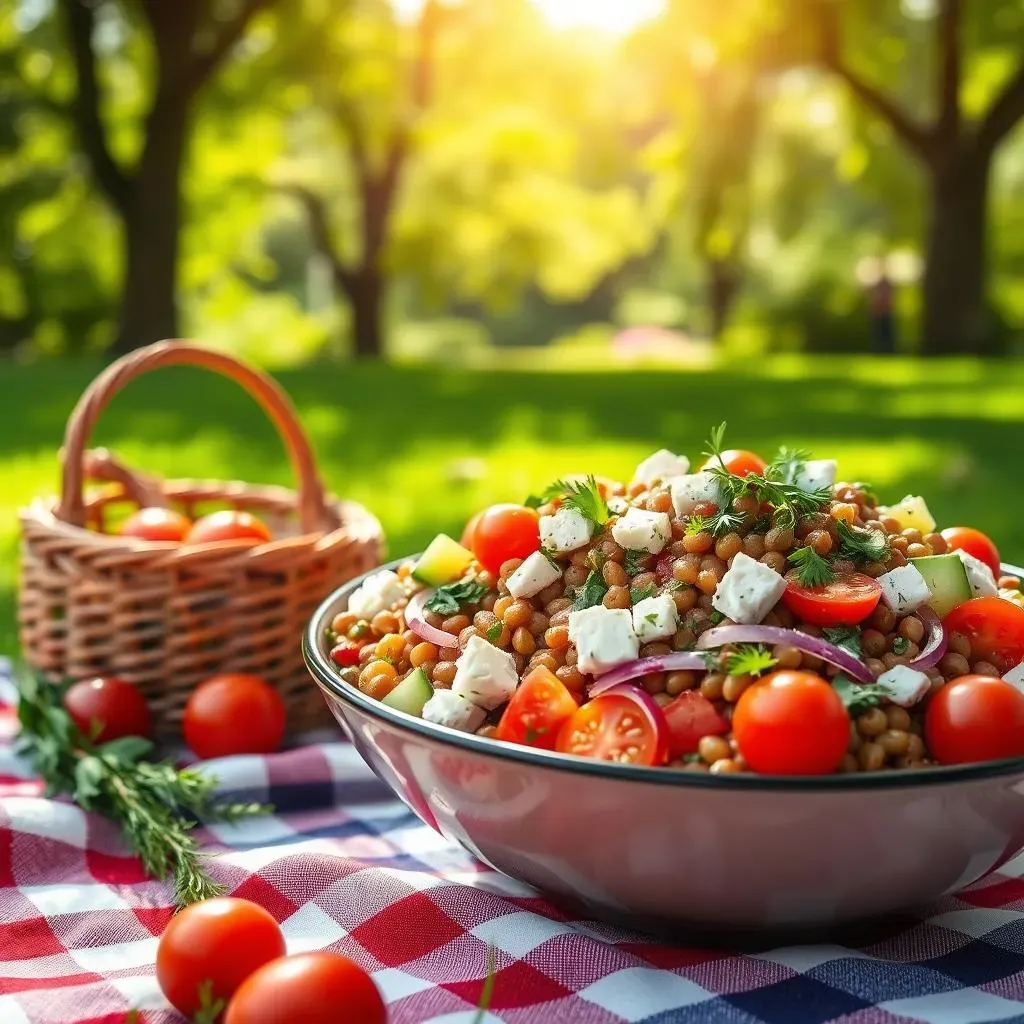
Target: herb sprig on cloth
x=155, y=804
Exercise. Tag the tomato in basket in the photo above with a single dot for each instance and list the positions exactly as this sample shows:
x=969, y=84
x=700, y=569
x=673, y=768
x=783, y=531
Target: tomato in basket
x=156, y=524
x=107, y=708
x=234, y=713
x=228, y=524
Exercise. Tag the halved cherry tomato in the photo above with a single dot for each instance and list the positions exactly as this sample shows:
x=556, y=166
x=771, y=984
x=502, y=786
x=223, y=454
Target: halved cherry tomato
x=504, y=532
x=974, y=542
x=843, y=602
x=228, y=525
x=690, y=717
x=613, y=727
x=975, y=718
x=739, y=462
x=310, y=988
x=107, y=708
x=156, y=524
x=234, y=713
x=791, y=723
x=537, y=710
x=994, y=627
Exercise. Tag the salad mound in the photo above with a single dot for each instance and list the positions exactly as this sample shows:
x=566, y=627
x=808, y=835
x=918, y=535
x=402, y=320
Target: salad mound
x=741, y=616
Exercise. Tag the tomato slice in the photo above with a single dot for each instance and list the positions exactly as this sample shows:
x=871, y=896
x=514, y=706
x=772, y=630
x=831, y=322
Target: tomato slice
x=537, y=711
x=614, y=727
x=690, y=717
x=994, y=627
x=974, y=542
x=843, y=602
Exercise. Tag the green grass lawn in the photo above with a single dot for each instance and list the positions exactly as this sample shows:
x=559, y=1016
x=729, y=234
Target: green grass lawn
x=425, y=446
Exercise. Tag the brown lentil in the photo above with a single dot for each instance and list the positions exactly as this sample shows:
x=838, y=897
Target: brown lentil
x=712, y=686
x=698, y=543
x=779, y=539
x=872, y=722
x=953, y=665
x=714, y=748
x=444, y=674
x=776, y=560
x=735, y=686
x=677, y=682
x=617, y=597
x=614, y=574
x=726, y=766
x=984, y=668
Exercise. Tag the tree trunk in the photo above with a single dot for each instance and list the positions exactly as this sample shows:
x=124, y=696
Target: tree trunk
x=366, y=300
x=955, y=315
x=723, y=281
x=149, y=309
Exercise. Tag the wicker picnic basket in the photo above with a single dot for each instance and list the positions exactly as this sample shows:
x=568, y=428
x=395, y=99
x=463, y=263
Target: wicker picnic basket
x=165, y=616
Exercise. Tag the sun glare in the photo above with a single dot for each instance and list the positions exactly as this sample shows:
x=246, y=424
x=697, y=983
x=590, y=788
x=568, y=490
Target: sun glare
x=614, y=16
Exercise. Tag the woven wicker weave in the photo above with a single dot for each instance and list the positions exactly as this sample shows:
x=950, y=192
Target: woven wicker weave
x=165, y=616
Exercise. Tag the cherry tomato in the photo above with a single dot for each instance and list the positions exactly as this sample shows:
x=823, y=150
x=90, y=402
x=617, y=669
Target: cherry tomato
x=220, y=941
x=470, y=529
x=228, y=525
x=156, y=524
x=994, y=627
x=791, y=723
x=691, y=716
x=843, y=602
x=346, y=654
x=234, y=714
x=975, y=718
x=974, y=542
x=504, y=532
x=739, y=462
x=311, y=988
x=107, y=708
x=614, y=727
x=537, y=710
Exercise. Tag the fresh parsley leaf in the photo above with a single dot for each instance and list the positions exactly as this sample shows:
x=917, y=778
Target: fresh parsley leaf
x=857, y=698
x=861, y=544
x=900, y=645
x=652, y=618
x=494, y=632
x=449, y=598
x=585, y=497
x=847, y=637
x=552, y=491
x=715, y=617
x=638, y=594
x=812, y=569
x=750, y=660
x=550, y=556
x=591, y=593
x=635, y=561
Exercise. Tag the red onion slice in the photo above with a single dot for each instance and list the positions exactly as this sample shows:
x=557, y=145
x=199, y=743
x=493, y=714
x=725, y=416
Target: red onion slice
x=680, y=662
x=813, y=645
x=934, y=642
x=649, y=706
x=415, y=621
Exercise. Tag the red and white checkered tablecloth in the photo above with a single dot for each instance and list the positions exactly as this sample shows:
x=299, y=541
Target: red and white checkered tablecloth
x=344, y=866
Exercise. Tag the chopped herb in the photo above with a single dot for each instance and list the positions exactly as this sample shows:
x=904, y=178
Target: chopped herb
x=591, y=593
x=652, y=618
x=549, y=494
x=858, y=698
x=787, y=464
x=582, y=495
x=812, y=569
x=861, y=544
x=638, y=594
x=697, y=524
x=596, y=558
x=750, y=660
x=449, y=598
x=715, y=617
x=635, y=561
x=715, y=444
x=725, y=522
x=713, y=661
x=692, y=758
x=494, y=632
x=847, y=637
x=550, y=556
x=900, y=645
x=674, y=586
x=360, y=629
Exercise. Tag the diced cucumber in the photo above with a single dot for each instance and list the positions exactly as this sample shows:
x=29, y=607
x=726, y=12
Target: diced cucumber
x=411, y=693
x=947, y=580
x=444, y=561
x=912, y=514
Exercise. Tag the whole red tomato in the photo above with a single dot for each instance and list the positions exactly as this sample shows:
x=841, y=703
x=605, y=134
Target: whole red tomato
x=974, y=542
x=216, y=943
x=107, y=708
x=234, y=713
x=739, y=462
x=156, y=524
x=228, y=525
x=503, y=532
x=311, y=988
x=975, y=718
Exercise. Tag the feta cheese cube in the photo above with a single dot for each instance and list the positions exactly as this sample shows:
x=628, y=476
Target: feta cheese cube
x=1015, y=677
x=639, y=530
x=485, y=675
x=690, y=490
x=903, y=685
x=617, y=505
x=378, y=593
x=446, y=707
x=662, y=465
x=603, y=637
x=748, y=591
x=817, y=473
x=533, y=576
x=980, y=577
x=904, y=589
x=566, y=530
x=655, y=618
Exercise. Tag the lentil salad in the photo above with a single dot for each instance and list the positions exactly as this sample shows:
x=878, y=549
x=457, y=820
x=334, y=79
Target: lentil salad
x=745, y=616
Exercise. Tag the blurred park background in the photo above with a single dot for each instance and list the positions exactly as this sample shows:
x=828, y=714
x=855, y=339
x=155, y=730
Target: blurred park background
x=483, y=242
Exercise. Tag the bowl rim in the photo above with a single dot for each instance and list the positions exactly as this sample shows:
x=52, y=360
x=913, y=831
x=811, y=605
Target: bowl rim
x=325, y=676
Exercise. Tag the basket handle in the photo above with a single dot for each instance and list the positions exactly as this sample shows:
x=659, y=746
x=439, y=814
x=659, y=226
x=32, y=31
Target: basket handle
x=314, y=513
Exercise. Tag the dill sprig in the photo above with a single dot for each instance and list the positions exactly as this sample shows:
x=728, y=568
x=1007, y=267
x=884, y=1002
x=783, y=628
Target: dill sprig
x=812, y=569
x=583, y=495
x=750, y=660
x=155, y=804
